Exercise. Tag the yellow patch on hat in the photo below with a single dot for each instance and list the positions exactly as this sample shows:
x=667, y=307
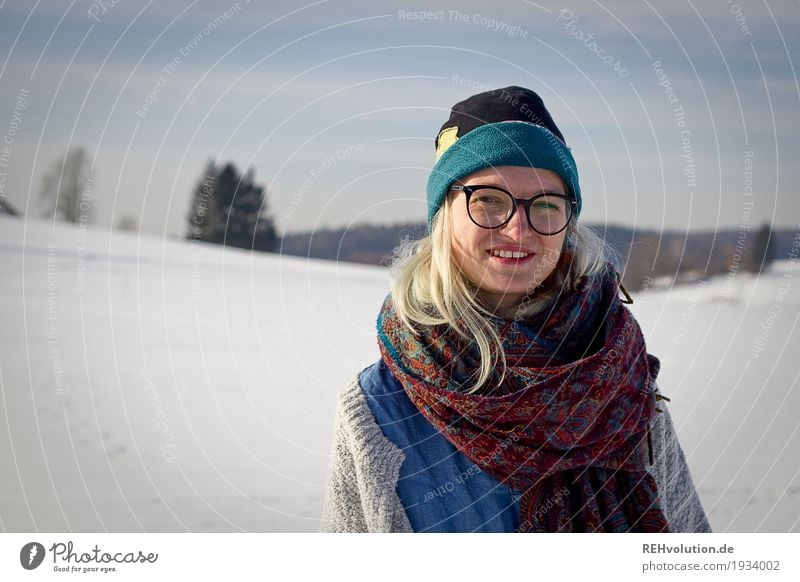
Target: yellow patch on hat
x=447, y=137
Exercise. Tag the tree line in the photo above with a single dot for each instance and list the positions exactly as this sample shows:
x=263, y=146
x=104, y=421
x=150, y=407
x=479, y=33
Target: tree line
x=642, y=255
x=228, y=207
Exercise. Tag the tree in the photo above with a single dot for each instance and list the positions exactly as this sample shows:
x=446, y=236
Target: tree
x=68, y=188
x=127, y=222
x=231, y=209
x=762, y=251
x=203, y=212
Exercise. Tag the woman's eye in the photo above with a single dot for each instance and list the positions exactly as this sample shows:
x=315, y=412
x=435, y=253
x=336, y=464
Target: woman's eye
x=545, y=205
x=488, y=199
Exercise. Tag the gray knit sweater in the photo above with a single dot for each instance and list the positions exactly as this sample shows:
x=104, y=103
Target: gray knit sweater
x=365, y=468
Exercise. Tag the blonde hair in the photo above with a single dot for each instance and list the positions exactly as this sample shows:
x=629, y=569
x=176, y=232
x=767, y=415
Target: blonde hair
x=429, y=288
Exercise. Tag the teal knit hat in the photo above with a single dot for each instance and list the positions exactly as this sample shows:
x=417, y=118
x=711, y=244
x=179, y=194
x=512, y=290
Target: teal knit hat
x=504, y=127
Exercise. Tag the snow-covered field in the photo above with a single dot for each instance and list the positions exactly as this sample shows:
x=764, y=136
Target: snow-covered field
x=166, y=386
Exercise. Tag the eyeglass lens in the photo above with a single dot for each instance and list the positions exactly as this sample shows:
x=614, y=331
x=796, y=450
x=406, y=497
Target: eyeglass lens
x=491, y=208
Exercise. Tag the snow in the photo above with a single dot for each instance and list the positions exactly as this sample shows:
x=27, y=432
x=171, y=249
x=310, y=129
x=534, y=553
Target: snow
x=728, y=349
x=164, y=385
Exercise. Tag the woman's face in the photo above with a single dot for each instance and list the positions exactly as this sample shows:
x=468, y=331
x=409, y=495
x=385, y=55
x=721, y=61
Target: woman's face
x=504, y=281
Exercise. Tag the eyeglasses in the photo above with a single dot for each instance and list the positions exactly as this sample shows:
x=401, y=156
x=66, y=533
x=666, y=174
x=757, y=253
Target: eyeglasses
x=492, y=207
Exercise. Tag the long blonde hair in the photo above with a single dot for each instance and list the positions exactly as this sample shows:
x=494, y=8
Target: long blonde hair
x=429, y=288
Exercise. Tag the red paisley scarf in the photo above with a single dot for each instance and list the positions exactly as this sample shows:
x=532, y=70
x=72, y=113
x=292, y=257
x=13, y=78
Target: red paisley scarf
x=569, y=423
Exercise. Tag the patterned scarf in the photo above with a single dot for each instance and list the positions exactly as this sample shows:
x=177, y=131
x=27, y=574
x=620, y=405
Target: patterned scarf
x=569, y=424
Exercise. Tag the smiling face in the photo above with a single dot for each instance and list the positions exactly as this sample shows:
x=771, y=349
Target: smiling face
x=509, y=262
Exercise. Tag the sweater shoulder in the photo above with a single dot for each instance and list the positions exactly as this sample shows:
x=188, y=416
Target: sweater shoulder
x=357, y=417
x=376, y=460
x=680, y=500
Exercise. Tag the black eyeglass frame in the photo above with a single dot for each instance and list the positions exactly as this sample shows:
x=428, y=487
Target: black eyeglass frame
x=470, y=190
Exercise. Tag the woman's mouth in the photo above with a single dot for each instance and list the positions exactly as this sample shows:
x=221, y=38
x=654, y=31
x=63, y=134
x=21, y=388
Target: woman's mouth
x=510, y=257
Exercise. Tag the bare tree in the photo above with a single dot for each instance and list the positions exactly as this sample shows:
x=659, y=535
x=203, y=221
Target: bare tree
x=68, y=188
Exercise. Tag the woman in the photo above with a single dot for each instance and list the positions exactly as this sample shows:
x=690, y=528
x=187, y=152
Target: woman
x=514, y=391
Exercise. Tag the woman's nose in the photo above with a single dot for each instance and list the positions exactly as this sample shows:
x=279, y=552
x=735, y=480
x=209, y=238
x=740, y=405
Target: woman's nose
x=518, y=223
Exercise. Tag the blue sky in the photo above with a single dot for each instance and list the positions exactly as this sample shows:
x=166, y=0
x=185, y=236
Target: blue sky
x=283, y=87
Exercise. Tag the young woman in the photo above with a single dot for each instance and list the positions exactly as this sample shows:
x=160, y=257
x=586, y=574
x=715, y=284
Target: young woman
x=514, y=391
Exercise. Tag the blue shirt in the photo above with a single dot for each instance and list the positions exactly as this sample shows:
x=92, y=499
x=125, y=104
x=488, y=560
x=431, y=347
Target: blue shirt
x=440, y=488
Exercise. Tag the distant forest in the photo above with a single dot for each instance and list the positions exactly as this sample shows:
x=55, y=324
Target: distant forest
x=643, y=253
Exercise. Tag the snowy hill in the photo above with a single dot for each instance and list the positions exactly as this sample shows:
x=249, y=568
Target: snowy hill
x=161, y=385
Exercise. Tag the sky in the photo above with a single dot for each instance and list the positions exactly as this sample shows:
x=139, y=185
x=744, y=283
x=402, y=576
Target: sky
x=681, y=115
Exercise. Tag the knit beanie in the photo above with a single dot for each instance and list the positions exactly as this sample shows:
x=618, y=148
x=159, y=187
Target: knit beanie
x=502, y=127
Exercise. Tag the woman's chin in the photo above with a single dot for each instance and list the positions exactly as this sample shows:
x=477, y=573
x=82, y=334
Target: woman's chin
x=498, y=300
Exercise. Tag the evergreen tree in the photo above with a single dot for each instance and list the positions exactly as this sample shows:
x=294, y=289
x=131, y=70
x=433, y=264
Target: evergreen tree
x=203, y=210
x=231, y=209
x=762, y=253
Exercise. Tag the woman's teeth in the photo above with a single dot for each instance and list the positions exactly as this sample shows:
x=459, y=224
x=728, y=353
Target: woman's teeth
x=509, y=254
